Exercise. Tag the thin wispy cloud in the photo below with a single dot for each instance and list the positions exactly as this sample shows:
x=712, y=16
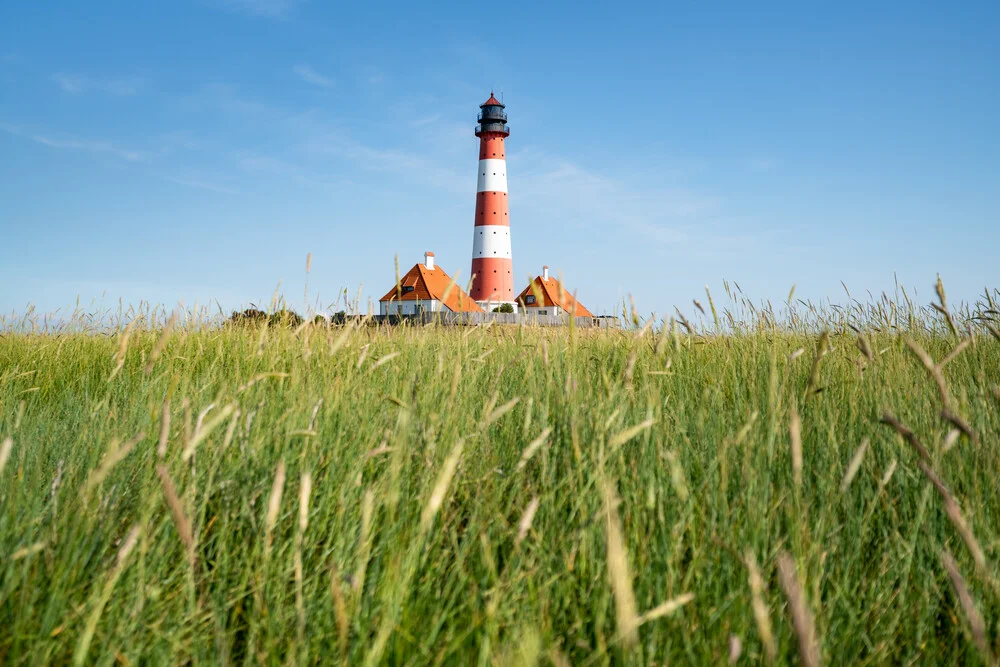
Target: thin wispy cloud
x=264, y=8
x=555, y=189
x=200, y=184
x=99, y=146
x=426, y=120
x=75, y=84
x=309, y=75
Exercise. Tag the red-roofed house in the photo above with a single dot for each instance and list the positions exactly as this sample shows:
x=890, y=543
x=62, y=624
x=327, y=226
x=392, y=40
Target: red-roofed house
x=547, y=296
x=426, y=288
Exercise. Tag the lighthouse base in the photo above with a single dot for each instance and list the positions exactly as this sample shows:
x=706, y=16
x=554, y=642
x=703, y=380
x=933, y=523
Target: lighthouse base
x=490, y=306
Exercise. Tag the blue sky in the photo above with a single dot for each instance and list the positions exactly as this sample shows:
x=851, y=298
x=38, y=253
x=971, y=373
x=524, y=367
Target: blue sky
x=197, y=150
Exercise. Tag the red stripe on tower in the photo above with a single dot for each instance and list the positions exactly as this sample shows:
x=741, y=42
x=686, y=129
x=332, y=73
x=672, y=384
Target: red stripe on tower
x=492, y=268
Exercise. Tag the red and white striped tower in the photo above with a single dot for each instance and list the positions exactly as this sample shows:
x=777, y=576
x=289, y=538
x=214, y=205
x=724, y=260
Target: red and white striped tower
x=492, y=268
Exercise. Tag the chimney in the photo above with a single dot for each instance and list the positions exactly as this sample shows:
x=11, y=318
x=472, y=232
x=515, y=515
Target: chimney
x=545, y=273
x=429, y=260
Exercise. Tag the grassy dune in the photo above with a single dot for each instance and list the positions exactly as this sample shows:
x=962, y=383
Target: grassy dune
x=504, y=495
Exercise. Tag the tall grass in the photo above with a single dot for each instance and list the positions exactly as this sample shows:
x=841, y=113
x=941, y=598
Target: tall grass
x=807, y=483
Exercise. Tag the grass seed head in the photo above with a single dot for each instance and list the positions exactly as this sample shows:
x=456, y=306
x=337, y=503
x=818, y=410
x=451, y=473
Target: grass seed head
x=618, y=571
x=798, y=607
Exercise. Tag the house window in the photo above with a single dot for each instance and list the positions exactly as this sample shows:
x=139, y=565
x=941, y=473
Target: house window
x=407, y=289
x=530, y=299
x=543, y=312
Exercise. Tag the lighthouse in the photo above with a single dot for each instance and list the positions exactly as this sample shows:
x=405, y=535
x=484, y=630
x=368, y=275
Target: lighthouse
x=492, y=268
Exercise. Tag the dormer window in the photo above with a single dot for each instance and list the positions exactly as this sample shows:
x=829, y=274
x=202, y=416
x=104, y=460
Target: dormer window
x=407, y=289
x=530, y=299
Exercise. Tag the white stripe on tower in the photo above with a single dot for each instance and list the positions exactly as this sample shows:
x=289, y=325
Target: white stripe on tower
x=492, y=176
x=491, y=242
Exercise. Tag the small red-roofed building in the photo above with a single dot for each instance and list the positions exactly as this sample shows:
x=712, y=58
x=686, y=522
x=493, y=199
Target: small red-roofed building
x=426, y=288
x=547, y=296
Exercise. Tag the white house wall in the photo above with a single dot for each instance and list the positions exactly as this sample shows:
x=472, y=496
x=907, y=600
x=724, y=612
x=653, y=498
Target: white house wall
x=409, y=307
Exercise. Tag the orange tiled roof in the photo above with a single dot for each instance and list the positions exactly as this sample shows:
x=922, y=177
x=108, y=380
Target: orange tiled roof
x=430, y=284
x=554, y=294
x=493, y=101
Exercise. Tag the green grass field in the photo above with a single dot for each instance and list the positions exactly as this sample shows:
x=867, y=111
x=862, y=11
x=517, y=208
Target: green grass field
x=504, y=495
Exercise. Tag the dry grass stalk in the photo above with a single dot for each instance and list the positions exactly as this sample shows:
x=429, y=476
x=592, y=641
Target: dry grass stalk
x=87, y=636
x=274, y=505
x=441, y=487
x=976, y=623
x=683, y=320
x=735, y=649
x=799, y=608
x=524, y=525
x=933, y=369
x=342, y=338
x=364, y=543
x=951, y=506
x=233, y=423
x=795, y=434
x=907, y=434
x=677, y=476
x=127, y=545
x=630, y=366
x=339, y=608
x=533, y=447
x=122, y=349
x=665, y=609
x=30, y=550
x=887, y=475
x=305, y=490
x=111, y=459
x=865, y=347
x=181, y=522
x=5, y=448
x=962, y=344
x=161, y=448
x=760, y=615
x=362, y=356
x=950, y=439
x=257, y=378
x=960, y=424
x=202, y=431
x=957, y=519
x=501, y=411
x=161, y=342
x=854, y=465
x=621, y=438
x=386, y=359
x=943, y=308
x=711, y=305
x=822, y=347
x=618, y=572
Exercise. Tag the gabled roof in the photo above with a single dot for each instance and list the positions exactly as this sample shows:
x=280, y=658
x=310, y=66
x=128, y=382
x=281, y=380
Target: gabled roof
x=431, y=284
x=492, y=102
x=550, y=290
